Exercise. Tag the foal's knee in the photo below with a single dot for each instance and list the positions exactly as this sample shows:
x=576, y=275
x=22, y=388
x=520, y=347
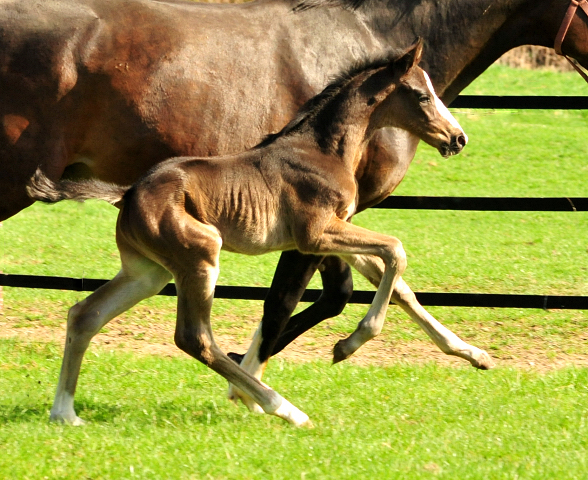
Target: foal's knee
x=395, y=256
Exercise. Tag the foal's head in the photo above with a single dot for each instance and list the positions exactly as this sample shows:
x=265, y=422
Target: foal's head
x=404, y=97
x=387, y=92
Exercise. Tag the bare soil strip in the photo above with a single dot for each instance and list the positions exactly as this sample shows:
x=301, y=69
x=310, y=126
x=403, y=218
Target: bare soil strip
x=157, y=339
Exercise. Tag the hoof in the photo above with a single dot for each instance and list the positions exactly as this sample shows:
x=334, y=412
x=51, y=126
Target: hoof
x=74, y=421
x=306, y=424
x=339, y=353
x=293, y=415
x=483, y=361
x=235, y=357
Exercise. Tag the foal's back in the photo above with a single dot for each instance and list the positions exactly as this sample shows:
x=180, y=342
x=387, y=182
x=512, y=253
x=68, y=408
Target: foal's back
x=255, y=200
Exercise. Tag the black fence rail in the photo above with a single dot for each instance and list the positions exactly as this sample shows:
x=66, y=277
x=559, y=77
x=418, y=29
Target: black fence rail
x=512, y=204
x=497, y=204
x=514, y=102
x=311, y=295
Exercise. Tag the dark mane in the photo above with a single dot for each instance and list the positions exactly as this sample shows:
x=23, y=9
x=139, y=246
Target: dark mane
x=308, y=4
x=317, y=104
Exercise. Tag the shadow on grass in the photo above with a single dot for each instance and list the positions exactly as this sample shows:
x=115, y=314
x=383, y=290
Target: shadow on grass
x=168, y=413
x=23, y=413
x=96, y=413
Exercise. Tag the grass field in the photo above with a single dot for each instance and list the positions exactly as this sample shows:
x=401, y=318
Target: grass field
x=154, y=416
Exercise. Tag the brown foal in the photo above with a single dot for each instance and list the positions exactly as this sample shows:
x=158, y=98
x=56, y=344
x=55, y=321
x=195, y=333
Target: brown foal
x=295, y=190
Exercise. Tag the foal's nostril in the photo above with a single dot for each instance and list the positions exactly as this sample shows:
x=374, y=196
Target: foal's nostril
x=461, y=140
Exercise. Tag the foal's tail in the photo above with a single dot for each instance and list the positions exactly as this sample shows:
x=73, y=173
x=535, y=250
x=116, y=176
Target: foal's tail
x=45, y=190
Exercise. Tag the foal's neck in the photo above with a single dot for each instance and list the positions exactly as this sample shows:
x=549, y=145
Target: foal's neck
x=346, y=138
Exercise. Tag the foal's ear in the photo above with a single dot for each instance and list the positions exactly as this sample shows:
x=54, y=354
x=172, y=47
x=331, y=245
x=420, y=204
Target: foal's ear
x=410, y=58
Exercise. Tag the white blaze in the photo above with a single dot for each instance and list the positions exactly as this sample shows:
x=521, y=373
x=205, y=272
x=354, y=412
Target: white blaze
x=440, y=106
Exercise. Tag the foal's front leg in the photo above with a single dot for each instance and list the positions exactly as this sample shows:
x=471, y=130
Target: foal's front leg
x=342, y=238
x=448, y=342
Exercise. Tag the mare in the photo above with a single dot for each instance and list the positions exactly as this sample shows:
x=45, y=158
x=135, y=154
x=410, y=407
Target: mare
x=108, y=88
x=295, y=190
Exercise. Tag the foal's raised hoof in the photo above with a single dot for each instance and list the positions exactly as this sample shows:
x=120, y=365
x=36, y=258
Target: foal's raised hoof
x=340, y=352
x=482, y=361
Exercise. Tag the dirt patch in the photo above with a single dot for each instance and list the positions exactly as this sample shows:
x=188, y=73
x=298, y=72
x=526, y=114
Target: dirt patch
x=157, y=339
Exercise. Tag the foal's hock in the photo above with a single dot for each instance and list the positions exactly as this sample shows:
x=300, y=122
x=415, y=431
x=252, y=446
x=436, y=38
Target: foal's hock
x=296, y=190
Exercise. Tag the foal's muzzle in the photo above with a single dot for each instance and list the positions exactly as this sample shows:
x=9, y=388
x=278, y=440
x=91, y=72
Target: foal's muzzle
x=455, y=146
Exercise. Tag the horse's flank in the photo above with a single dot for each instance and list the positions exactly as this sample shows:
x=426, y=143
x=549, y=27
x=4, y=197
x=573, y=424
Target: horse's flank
x=108, y=89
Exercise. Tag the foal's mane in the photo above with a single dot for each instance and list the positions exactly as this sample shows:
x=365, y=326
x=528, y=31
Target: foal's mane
x=320, y=102
x=308, y=4
x=302, y=5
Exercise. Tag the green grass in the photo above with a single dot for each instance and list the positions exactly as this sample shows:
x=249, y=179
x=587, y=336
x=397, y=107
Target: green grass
x=168, y=418
x=153, y=417
x=510, y=153
x=503, y=80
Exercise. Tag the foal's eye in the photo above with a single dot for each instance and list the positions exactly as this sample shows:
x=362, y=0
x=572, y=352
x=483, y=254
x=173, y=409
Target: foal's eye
x=424, y=98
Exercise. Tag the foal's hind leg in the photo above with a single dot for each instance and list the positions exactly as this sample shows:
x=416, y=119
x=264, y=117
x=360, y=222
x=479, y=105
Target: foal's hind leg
x=372, y=268
x=138, y=279
x=195, y=280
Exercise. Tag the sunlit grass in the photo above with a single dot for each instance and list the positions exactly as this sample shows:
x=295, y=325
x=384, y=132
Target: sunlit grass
x=153, y=417
x=156, y=417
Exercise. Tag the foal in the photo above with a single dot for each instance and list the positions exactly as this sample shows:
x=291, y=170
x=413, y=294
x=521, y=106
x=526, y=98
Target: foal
x=296, y=190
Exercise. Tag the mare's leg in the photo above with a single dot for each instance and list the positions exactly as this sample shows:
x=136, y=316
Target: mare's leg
x=337, y=290
x=195, y=280
x=293, y=272
x=138, y=279
x=372, y=268
x=277, y=329
x=292, y=276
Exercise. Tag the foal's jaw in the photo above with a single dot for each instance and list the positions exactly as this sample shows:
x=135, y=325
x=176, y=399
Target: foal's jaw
x=443, y=137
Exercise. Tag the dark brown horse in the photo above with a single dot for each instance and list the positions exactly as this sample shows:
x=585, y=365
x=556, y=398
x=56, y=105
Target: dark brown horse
x=108, y=88
x=296, y=190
